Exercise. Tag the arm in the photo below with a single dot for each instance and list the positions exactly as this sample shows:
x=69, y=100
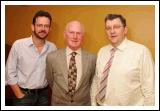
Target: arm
x=93, y=91
x=93, y=64
x=17, y=91
x=147, y=78
x=11, y=72
x=49, y=70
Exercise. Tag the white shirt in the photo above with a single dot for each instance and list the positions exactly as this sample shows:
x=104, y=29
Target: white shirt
x=78, y=59
x=131, y=76
x=26, y=66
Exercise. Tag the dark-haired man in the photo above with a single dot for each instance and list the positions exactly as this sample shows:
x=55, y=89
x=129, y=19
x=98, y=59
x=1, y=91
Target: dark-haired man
x=124, y=69
x=25, y=68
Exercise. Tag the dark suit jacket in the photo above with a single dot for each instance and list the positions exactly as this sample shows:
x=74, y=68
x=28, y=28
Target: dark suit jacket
x=57, y=76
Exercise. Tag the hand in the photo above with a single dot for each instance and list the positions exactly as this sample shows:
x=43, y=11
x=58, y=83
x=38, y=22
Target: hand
x=21, y=95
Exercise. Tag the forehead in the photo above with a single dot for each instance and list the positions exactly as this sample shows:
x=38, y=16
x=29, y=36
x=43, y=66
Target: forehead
x=74, y=27
x=42, y=19
x=116, y=21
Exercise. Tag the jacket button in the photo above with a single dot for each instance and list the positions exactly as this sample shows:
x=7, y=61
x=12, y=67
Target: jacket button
x=72, y=101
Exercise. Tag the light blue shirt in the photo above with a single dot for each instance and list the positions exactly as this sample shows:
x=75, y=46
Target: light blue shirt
x=26, y=66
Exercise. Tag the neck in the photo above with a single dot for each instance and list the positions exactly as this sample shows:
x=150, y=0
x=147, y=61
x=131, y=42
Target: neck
x=37, y=41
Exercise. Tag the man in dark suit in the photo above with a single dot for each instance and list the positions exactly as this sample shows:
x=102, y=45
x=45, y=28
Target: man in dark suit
x=70, y=71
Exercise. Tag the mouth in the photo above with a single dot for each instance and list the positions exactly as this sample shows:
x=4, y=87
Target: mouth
x=42, y=32
x=74, y=41
x=113, y=36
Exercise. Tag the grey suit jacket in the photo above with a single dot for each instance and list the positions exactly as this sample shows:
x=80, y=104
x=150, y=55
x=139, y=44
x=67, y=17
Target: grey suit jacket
x=57, y=76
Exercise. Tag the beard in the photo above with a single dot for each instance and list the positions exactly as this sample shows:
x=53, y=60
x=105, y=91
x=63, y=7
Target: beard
x=37, y=34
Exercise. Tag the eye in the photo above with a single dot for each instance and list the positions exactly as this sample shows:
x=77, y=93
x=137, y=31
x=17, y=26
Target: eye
x=115, y=27
x=41, y=26
x=108, y=28
x=46, y=26
x=71, y=32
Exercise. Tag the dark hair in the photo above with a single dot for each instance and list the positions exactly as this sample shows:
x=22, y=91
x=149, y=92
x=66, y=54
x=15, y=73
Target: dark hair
x=114, y=16
x=42, y=13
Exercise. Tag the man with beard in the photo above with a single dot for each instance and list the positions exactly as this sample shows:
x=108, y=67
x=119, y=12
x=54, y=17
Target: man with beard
x=25, y=68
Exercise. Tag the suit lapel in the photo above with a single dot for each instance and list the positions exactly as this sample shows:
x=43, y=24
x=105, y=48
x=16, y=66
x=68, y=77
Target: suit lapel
x=84, y=67
x=64, y=68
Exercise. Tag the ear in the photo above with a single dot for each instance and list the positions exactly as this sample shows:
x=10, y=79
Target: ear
x=64, y=34
x=32, y=27
x=126, y=30
x=50, y=27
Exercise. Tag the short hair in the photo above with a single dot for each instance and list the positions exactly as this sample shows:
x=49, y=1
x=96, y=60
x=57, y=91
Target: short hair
x=114, y=16
x=42, y=13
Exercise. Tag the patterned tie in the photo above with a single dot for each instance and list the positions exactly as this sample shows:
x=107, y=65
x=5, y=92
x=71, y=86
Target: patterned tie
x=100, y=97
x=72, y=75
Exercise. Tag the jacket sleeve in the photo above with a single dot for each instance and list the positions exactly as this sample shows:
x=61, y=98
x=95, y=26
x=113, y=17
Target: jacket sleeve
x=49, y=70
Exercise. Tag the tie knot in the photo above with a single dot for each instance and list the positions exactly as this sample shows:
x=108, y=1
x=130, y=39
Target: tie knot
x=113, y=50
x=73, y=54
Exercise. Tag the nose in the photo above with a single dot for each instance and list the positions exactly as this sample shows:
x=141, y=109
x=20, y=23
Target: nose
x=43, y=27
x=75, y=35
x=112, y=30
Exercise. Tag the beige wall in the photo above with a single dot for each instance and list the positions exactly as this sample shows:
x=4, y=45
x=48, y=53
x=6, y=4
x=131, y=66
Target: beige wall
x=140, y=20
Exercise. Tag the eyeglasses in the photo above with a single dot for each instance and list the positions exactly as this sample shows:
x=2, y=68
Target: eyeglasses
x=115, y=27
x=41, y=26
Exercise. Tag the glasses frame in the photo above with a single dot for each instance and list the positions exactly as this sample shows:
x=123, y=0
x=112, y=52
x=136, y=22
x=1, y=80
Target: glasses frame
x=115, y=27
x=43, y=26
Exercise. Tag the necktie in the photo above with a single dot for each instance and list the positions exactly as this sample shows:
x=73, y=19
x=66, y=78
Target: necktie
x=72, y=74
x=100, y=97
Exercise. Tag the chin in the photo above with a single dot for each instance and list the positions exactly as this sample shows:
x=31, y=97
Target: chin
x=113, y=41
x=42, y=37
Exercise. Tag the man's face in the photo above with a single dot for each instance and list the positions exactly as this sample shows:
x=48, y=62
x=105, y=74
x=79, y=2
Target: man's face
x=41, y=27
x=74, y=35
x=115, y=30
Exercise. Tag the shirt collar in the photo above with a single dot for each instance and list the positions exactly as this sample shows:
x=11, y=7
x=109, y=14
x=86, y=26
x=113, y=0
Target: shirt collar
x=122, y=46
x=69, y=51
x=30, y=42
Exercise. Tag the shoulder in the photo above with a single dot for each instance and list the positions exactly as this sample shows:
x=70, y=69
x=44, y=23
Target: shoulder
x=103, y=49
x=137, y=46
x=51, y=45
x=56, y=53
x=18, y=44
x=89, y=54
x=138, y=49
x=21, y=41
